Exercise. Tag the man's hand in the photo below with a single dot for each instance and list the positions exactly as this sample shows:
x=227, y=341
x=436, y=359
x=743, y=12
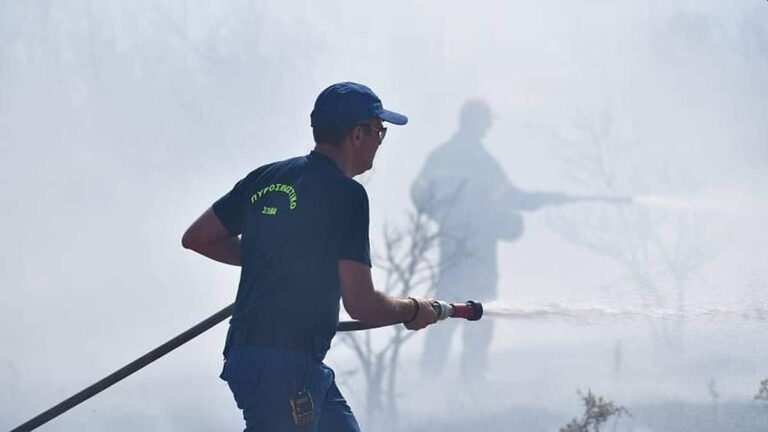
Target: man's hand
x=425, y=316
x=366, y=304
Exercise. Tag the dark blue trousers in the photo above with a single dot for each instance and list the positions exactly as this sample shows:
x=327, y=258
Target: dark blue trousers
x=263, y=380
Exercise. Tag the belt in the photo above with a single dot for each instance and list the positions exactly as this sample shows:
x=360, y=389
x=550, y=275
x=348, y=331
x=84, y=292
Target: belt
x=248, y=337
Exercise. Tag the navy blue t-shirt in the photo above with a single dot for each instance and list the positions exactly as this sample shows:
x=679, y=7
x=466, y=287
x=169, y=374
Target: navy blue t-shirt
x=297, y=219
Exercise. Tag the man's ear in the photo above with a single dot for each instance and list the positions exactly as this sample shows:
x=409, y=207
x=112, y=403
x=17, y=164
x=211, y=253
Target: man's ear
x=357, y=135
x=352, y=137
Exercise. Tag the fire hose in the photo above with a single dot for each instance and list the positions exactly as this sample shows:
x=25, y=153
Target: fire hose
x=470, y=310
x=602, y=199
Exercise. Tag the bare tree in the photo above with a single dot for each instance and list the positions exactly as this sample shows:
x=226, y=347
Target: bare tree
x=597, y=411
x=411, y=267
x=762, y=392
x=658, y=249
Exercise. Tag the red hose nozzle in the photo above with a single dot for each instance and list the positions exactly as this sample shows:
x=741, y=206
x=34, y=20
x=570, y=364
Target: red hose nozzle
x=470, y=310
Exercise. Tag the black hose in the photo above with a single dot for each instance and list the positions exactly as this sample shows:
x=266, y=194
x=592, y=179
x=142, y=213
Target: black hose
x=345, y=326
x=602, y=199
x=125, y=371
x=146, y=359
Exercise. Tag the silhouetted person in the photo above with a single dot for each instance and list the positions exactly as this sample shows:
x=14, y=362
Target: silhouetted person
x=465, y=191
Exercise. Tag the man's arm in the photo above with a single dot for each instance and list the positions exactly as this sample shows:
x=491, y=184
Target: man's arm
x=511, y=199
x=208, y=237
x=366, y=304
x=518, y=200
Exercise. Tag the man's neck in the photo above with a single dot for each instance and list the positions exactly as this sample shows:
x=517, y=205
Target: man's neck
x=338, y=156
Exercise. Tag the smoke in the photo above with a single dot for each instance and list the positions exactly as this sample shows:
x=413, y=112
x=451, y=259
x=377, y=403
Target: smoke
x=120, y=122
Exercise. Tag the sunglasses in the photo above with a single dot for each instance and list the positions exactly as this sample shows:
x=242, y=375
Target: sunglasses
x=382, y=132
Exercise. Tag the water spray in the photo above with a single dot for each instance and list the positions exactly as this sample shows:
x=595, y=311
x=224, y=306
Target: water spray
x=667, y=202
x=728, y=201
x=750, y=313
x=469, y=310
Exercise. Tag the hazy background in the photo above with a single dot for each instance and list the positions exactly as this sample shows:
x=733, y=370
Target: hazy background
x=120, y=122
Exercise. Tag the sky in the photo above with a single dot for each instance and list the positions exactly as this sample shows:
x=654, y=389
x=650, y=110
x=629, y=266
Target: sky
x=121, y=122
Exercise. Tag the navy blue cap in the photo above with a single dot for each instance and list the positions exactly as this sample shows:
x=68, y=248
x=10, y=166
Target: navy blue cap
x=347, y=103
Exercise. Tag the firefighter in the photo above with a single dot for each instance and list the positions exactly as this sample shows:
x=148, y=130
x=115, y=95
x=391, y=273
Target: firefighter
x=298, y=228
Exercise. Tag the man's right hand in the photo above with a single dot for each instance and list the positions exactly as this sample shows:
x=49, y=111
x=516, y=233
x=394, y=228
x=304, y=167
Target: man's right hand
x=425, y=317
